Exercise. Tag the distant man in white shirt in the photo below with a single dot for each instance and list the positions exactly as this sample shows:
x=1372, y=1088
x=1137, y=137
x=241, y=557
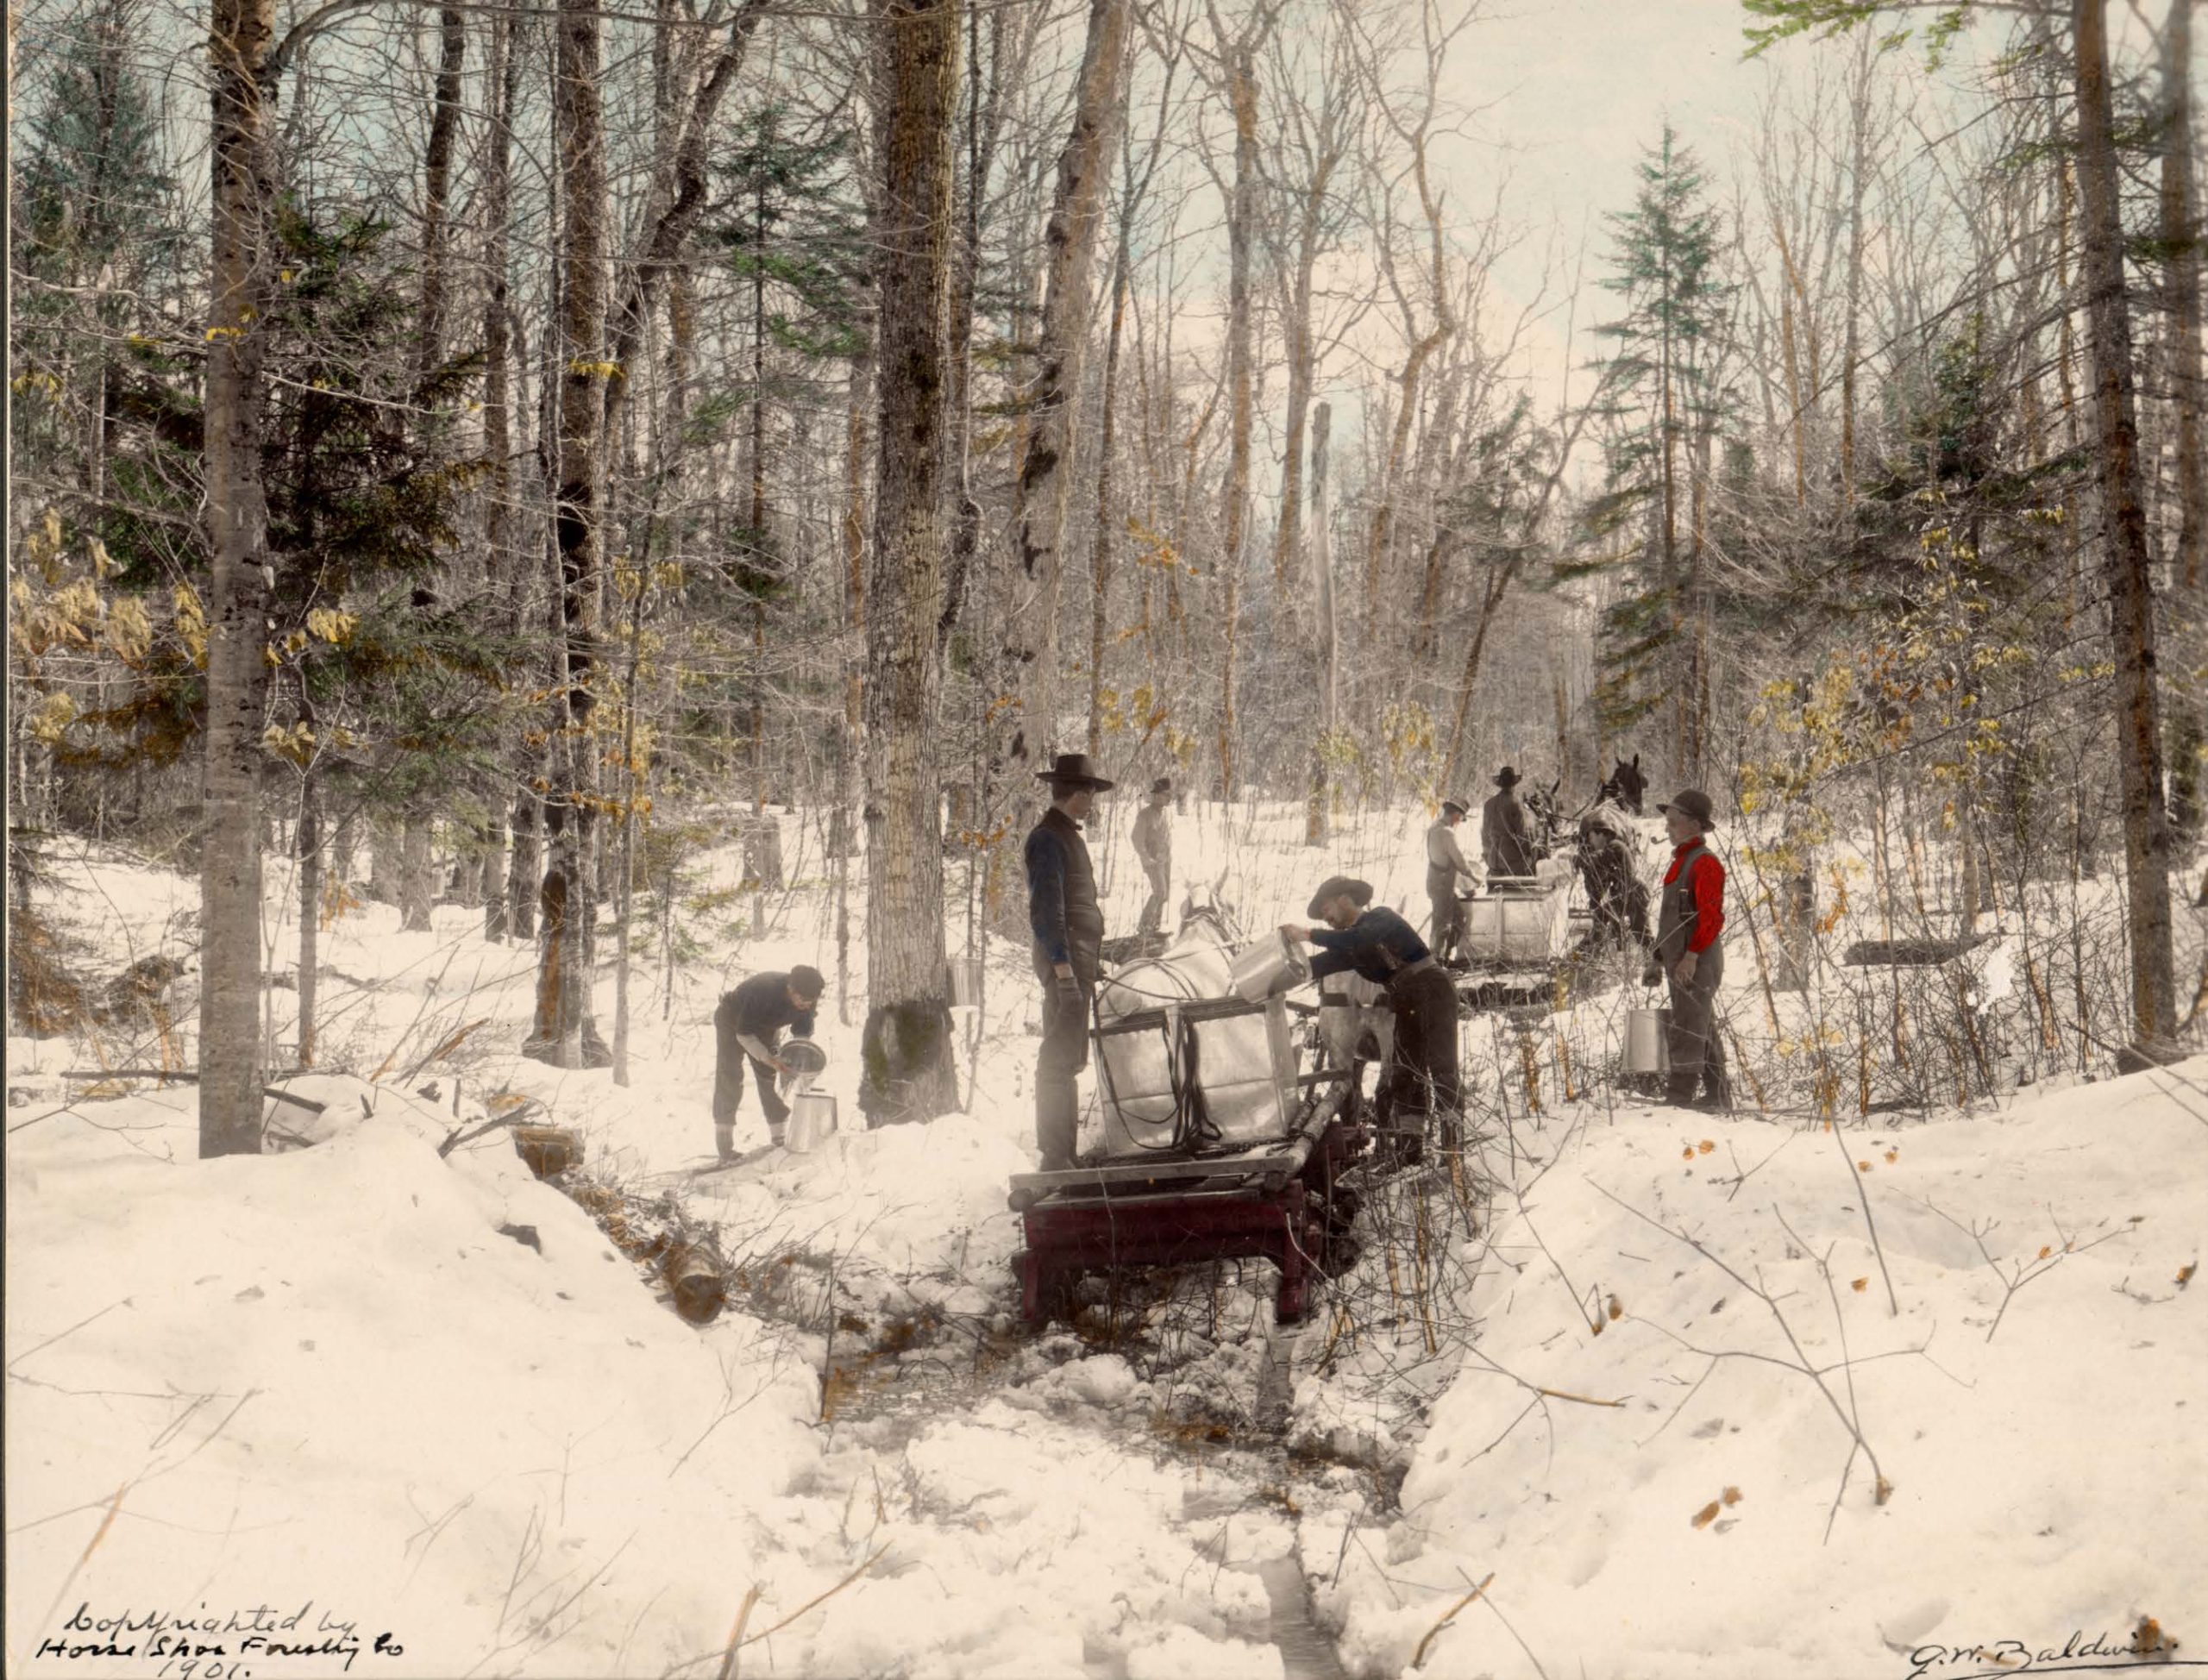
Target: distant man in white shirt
x=1154, y=840
x=1445, y=867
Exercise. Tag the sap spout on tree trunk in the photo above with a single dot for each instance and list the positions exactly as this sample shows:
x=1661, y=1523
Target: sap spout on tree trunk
x=906, y=1067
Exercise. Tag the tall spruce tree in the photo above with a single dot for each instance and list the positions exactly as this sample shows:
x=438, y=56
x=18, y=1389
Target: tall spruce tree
x=1661, y=404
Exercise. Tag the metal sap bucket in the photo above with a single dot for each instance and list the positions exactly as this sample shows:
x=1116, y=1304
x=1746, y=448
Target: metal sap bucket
x=1648, y=1041
x=966, y=983
x=812, y=1116
x=1270, y=967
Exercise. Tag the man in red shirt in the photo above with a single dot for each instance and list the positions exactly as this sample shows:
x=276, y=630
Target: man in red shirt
x=1691, y=953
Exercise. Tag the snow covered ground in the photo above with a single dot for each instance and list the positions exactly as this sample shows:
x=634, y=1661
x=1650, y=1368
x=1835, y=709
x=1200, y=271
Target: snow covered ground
x=424, y=1397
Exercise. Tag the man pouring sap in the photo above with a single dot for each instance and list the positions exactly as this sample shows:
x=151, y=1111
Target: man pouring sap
x=1372, y=940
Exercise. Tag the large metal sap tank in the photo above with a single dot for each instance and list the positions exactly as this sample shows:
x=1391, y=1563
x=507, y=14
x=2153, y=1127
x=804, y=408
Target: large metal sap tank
x=1242, y=1063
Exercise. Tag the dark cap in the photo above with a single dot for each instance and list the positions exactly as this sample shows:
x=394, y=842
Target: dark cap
x=1074, y=770
x=1334, y=886
x=1457, y=805
x=1163, y=785
x=806, y=982
x=1691, y=802
x=1506, y=777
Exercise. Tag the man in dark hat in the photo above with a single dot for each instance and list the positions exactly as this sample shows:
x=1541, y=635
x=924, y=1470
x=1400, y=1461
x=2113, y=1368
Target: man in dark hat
x=1503, y=836
x=1069, y=935
x=1154, y=840
x=1690, y=954
x=1445, y=867
x=1373, y=940
x=748, y=1027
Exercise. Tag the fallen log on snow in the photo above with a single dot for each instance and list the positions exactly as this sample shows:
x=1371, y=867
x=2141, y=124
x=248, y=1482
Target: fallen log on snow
x=1910, y=953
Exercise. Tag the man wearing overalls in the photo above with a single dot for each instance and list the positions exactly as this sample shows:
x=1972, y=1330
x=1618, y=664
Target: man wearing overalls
x=1690, y=954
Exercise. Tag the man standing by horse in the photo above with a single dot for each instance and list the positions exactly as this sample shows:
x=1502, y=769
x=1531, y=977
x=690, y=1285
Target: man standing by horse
x=1691, y=953
x=1067, y=926
x=1504, y=836
x=1445, y=866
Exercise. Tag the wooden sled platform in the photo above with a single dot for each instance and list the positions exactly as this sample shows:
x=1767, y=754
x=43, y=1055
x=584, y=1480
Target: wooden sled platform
x=1278, y=1201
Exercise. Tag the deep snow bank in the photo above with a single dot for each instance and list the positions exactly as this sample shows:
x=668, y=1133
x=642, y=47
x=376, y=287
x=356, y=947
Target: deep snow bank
x=328, y=1377
x=1663, y=1509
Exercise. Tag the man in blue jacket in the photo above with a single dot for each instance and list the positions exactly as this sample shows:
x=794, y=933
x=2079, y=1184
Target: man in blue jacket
x=1068, y=934
x=1423, y=1077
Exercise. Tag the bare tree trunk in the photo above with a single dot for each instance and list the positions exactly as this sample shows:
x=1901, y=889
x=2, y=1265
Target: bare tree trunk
x=905, y=1045
x=1859, y=114
x=244, y=191
x=2181, y=282
x=850, y=744
x=417, y=885
x=1798, y=418
x=1241, y=329
x=564, y=1033
x=2181, y=241
x=2131, y=578
x=309, y=844
x=1316, y=818
x=1043, y=487
x=501, y=573
x=1100, y=561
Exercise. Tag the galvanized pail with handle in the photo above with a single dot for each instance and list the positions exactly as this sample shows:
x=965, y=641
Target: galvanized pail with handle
x=806, y=1060
x=1648, y=1041
x=1271, y=966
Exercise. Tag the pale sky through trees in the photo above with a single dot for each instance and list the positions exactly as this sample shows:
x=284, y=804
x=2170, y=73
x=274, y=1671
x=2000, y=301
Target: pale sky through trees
x=1572, y=92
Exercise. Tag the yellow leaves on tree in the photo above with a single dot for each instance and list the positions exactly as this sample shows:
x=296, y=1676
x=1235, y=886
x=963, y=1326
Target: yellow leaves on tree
x=51, y=719
x=332, y=626
x=192, y=622
x=296, y=744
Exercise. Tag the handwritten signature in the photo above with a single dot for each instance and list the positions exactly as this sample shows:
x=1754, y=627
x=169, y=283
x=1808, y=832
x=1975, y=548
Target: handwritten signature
x=2075, y=1654
x=213, y=1645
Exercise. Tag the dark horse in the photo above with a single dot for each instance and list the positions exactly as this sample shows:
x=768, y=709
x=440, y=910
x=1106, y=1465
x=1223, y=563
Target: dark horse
x=1608, y=847
x=1544, y=818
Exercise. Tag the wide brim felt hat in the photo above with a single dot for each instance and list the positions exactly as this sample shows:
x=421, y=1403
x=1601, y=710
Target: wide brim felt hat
x=1334, y=886
x=1506, y=777
x=1691, y=802
x=1457, y=805
x=1074, y=770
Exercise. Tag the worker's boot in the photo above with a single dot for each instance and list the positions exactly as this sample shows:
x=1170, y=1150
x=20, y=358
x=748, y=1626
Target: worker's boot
x=1717, y=1090
x=776, y=1129
x=725, y=1139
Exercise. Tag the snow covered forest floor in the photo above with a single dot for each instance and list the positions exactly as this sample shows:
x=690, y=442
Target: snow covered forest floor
x=1627, y=1392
